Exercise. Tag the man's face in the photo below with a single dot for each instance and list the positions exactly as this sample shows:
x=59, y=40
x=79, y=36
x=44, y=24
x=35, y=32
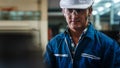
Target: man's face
x=77, y=18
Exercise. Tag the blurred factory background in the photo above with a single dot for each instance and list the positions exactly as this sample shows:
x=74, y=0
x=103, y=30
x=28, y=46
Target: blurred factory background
x=23, y=33
x=27, y=25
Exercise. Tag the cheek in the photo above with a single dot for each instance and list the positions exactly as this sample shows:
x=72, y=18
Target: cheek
x=67, y=18
x=84, y=17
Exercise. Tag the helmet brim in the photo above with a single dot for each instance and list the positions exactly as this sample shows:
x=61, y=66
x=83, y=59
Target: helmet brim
x=77, y=5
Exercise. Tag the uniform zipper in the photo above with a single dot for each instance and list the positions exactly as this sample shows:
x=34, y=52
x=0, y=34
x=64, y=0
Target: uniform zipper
x=75, y=48
x=69, y=50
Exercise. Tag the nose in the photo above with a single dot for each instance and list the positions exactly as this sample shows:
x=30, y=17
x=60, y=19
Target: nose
x=74, y=12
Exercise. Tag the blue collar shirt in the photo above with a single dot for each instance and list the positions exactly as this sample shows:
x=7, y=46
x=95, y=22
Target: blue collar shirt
x=94, y=50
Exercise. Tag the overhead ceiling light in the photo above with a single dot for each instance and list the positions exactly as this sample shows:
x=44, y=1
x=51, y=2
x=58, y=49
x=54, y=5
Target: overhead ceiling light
x=116, y=1
x=94, y=12
x=100, y=9
x=97, y=1
x=118, y=13
x=107, y=5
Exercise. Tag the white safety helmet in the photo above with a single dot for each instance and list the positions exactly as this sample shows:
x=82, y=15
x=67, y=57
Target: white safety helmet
x=79, y=4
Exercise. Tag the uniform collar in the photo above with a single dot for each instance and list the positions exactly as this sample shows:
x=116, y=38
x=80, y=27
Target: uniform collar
x=90, y=32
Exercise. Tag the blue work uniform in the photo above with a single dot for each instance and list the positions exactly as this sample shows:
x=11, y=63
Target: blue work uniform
x=94, y=50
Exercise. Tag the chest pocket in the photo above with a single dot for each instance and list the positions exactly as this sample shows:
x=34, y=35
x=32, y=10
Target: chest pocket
x=62, y=60
x=61, y=57
x=90, y=60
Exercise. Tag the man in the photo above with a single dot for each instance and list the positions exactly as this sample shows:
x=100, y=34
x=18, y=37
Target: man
x=81, y=46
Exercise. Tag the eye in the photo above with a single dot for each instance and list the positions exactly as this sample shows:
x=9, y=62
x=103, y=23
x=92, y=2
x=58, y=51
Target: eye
x=70, y=10
x=80, y=10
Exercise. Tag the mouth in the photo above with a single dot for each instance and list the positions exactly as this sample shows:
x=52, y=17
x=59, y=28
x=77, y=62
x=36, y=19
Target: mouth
x=75, y=21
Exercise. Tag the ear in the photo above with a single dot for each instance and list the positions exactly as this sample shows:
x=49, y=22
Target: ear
x=90, y=11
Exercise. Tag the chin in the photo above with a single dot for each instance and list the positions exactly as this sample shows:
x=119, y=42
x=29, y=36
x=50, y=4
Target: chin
x=77, y=26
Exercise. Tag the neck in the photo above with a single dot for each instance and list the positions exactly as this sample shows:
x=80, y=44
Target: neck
x=75, y=35
x=76, y=32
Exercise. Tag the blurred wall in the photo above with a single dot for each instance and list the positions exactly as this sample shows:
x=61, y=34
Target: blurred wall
x=21, y=5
